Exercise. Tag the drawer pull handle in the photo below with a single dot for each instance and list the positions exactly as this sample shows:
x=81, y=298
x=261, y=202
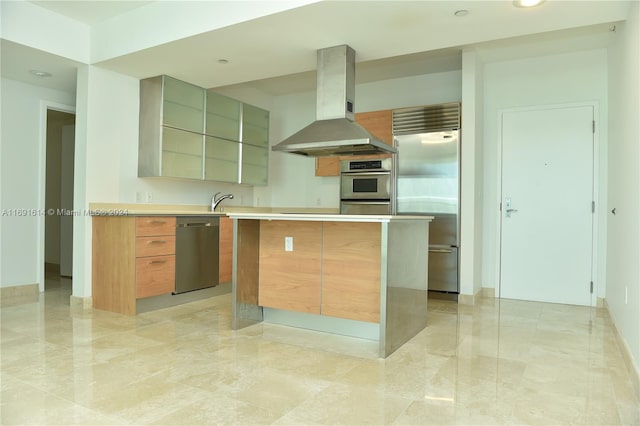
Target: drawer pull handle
x=157, y=261
x=157, y=242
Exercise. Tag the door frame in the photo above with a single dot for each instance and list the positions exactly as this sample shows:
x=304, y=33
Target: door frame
x=42, y=180
x=598, y=284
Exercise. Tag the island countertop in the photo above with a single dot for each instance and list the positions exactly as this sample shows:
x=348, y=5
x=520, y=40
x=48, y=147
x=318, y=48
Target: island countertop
x=324, y=217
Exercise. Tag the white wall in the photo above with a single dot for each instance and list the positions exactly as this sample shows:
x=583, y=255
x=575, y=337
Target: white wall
x=292, y=180
x=558, y=79
x=623, y=255
x=22, y=146
x=471, y=168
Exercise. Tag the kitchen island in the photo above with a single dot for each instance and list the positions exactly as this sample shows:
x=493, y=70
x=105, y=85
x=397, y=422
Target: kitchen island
x=358, y=275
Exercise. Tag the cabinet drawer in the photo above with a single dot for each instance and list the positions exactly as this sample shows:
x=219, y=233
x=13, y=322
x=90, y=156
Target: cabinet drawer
x=155, y=246
x=155, y=275
x=155, y=225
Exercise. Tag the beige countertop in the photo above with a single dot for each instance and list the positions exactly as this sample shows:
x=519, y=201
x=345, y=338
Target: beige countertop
x=326, y=217
x=240, y=212
x=141, y=209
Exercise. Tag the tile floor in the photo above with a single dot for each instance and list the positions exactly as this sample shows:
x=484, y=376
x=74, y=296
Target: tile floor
x=499, y=362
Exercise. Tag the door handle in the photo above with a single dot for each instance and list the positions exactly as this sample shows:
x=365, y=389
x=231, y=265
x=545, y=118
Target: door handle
x=509, y=211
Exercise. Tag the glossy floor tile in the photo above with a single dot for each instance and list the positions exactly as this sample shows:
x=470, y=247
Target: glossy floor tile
x=498, y=362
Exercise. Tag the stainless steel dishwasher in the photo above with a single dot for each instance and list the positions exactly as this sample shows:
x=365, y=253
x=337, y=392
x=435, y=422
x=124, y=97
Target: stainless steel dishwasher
x=197, y=252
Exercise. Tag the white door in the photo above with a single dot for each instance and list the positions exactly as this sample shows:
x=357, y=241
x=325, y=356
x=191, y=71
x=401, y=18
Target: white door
x=547, y=194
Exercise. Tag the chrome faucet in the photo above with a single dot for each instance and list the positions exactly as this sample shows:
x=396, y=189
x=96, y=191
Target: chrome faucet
x=217, y=199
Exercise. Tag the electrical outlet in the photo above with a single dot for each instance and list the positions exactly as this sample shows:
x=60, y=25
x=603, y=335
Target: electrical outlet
x=139, y=197
x=288, y=243
x=148, y=196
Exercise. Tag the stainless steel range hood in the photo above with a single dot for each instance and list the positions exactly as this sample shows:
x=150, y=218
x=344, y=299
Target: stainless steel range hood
x=334, y=132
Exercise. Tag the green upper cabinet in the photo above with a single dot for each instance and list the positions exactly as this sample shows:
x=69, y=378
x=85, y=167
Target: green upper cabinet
x=255, y=126
x=255, y=162
x=221, y=160
x=181, y=154
x=183, y=105
x=223, y=117
x=190, y=132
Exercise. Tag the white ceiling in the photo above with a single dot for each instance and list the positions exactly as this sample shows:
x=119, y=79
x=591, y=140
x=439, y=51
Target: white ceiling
x=277, y=53
x=90, y=12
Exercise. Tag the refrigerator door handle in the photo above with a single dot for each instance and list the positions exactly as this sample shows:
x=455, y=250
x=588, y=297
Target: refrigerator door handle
x=440, y=251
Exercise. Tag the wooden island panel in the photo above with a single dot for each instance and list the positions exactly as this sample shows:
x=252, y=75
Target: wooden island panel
x=351, y=258
x=226, y=249
x=290, y=280
x=247, y=273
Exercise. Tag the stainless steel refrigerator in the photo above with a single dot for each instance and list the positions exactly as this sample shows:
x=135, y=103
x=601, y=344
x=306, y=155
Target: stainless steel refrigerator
x=428, y=183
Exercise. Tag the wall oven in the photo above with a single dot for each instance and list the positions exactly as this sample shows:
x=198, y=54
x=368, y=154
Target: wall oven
x=367, y=186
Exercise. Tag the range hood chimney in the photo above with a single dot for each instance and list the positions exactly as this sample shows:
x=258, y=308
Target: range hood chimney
x=334, y=132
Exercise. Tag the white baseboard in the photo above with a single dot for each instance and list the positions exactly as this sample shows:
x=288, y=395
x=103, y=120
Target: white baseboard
x=634, y=374
x=488, y=292
x=19, y=291
x=81, y=303
x=470, y=299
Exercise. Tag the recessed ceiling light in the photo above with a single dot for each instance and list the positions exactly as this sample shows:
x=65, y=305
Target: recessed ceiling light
x=223, y=61
x=460, y=13
x=39, y=73
x=527, y=3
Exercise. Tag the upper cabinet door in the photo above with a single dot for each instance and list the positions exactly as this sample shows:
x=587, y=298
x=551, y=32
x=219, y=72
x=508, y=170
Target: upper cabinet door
x=255, y=126
x=255, y=165
x=183, y=105
x=223, y=117
x=181, y=154
x=221, y=160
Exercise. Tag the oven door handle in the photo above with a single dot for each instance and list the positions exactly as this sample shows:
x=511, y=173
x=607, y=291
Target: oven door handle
x=363, y=202
x=361, y=173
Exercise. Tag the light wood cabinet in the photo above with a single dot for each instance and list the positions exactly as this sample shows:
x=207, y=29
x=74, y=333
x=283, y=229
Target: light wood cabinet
x=132, y=257
x=226, y=249
x=333, y=268
x=378, y=123
x=155, y=256
x=147, y=226
x=113, y=265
